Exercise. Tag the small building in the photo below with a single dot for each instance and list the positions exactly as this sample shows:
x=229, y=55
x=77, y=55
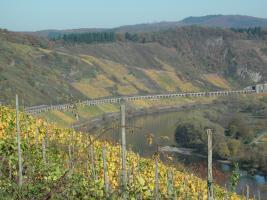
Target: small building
x=261, y=88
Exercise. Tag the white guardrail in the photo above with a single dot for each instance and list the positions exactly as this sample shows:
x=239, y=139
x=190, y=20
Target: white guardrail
x=44, y=108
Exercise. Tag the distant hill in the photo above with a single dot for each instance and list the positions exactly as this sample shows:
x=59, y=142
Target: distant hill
x=221, y=21
x=226, y=21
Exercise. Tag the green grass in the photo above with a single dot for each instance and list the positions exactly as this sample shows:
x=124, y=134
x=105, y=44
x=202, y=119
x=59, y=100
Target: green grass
x=63, y=119
x=89, y=111
x=109, y=108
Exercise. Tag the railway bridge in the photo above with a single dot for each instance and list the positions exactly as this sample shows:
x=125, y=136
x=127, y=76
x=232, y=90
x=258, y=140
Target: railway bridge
x=260, y=88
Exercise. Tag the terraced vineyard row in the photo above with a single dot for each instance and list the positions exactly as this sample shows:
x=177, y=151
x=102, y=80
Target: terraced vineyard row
x=64, y=164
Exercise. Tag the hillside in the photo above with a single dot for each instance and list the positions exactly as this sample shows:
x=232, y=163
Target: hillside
x=61, y=163
x=185, y=59
x=226, y=21
x=221, y=21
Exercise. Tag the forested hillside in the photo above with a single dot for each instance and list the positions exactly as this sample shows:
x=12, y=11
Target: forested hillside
x=186, y=59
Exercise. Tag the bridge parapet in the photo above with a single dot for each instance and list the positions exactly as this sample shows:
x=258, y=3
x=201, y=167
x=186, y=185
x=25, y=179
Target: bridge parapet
x=43, y=108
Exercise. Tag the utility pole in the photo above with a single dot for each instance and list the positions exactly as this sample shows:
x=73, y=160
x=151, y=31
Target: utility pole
x=156, y=190
x=210, y=181
x=19, y=141
x=123, y=146
x=106, y=179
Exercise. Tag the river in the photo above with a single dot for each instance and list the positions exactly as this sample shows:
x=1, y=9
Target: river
x=160, y=128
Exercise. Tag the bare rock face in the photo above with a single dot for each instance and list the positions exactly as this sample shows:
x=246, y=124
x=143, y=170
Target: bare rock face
x=255, y=76
x=214, y=42
x=243, y=72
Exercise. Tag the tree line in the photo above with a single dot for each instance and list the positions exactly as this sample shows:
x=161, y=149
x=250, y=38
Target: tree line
x=111, y=36
x=90, y=37
x=252, y=32
x=234, y=134
x=94, y=37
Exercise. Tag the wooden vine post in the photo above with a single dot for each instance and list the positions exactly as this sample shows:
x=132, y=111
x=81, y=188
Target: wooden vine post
x=210, y=181
x=123, y=147
x=106, y=179
x=36, y=138
x=70, y=158
x=44, y=150
x=170, y=185
x=46, y=137
x=19, y=141
x=247, y=192
x=156, y=191
x=259, y=195
x=92, y=156
x=27, y=132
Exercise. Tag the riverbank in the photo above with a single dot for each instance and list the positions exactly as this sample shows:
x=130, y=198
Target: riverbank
x=162, y=127
x=192, y=152
x=85, y=113
x=99, y=121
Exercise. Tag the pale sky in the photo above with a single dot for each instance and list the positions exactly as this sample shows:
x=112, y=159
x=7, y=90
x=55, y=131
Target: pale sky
x=32, y=15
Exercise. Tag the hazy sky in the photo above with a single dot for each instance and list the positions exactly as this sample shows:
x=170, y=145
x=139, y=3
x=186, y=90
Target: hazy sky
x=29, y=15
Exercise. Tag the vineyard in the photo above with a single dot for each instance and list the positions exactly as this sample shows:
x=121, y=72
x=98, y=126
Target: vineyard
x=60, y=163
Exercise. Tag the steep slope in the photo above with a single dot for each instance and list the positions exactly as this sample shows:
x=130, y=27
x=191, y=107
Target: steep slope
x=28, y=71
x=185, y=59
x=56, y=165
x=190, y=52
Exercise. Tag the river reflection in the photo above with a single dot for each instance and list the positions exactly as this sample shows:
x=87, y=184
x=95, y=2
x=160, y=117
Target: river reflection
x=161, y=128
